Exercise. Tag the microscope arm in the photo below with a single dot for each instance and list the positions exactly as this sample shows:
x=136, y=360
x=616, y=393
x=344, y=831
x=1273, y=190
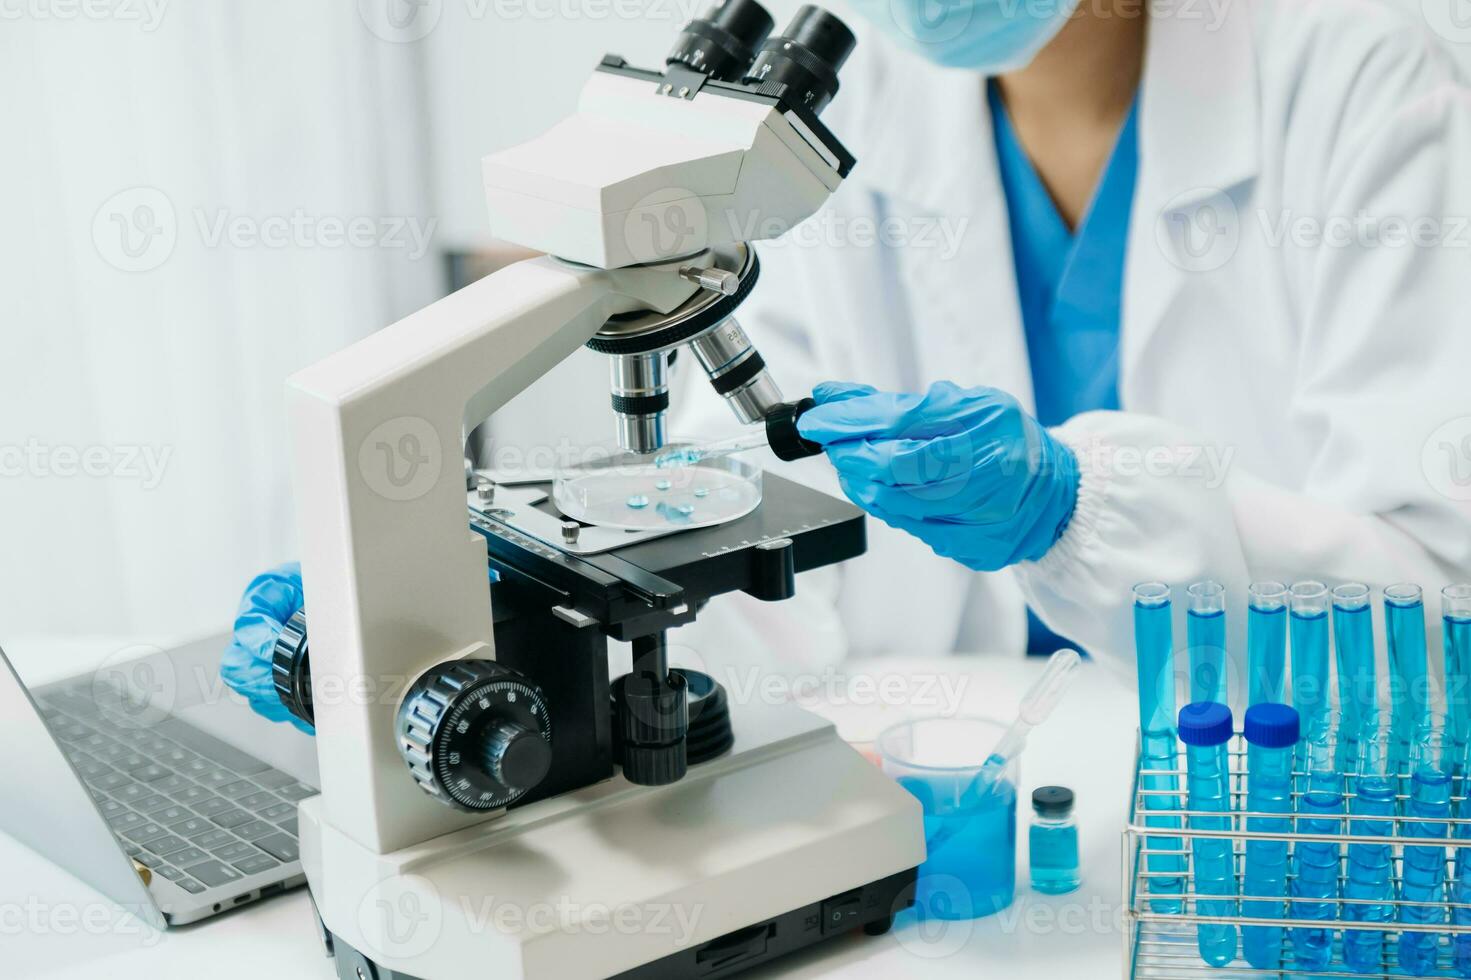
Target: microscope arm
x=396, y=578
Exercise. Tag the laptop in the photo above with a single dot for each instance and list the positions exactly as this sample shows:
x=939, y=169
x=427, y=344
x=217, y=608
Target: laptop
x=134, y=778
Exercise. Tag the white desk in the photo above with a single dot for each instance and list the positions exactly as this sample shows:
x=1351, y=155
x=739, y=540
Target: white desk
x=1088, y=746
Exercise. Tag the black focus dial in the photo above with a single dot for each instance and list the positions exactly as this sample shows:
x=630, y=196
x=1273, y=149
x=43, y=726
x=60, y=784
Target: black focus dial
x=476, y=735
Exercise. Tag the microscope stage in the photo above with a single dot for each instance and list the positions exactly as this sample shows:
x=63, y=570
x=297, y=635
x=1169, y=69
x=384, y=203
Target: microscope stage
x=614, y=577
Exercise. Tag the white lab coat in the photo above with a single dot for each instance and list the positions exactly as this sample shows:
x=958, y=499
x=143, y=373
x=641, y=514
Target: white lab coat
x=1303, y=405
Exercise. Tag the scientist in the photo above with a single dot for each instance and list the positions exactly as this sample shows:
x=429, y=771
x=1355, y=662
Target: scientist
x=1198, y=277
x=1206, y=312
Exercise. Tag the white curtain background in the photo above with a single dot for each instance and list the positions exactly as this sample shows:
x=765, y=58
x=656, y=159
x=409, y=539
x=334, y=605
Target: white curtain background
x=146, y=329
x=143, y=473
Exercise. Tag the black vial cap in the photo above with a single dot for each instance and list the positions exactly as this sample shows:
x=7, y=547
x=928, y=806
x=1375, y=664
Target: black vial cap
x=1052, y=801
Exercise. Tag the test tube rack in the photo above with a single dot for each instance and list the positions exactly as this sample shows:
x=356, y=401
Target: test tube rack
x=1162, y=945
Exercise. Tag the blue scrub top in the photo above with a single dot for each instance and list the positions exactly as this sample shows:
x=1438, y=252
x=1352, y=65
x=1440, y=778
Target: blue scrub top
x=1069, y=283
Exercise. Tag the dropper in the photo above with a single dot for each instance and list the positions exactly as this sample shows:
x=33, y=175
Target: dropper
x=690, y=455
x=779, y=432
x=1035, y=707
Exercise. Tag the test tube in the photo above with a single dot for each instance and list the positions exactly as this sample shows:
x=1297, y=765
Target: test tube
x=1409, y=694
x=1353, y=640
x=1272, y=731
x=1455, y=613
x=1316, y=863
x=1461, y=892
x=1266, y=642
x=1455, y=616
x=1205, y=635
x=1309, y=628
x=1205, y=728
x=1369, y=886
x=1423, y=866
x=1154, y=650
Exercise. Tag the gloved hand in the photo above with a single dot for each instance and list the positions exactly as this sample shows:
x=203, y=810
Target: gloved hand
x=963, y=469
x=269, y=601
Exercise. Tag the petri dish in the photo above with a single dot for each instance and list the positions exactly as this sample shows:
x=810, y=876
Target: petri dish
x=632, y=491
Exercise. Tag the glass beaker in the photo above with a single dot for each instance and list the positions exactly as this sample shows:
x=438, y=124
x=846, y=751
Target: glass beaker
x=970, y=828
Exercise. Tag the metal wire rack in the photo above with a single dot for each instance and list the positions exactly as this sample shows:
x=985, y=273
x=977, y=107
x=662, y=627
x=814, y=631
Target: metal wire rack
x=1160, y=925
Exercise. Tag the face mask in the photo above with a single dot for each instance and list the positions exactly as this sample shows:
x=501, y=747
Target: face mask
x=990, y=36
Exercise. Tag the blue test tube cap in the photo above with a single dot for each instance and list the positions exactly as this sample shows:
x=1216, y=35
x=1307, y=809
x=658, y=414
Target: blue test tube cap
x=1205, y=723
x=1272, y=726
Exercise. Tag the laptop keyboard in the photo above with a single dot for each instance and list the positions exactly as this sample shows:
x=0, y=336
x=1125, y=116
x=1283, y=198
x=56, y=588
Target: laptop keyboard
x=185, y=805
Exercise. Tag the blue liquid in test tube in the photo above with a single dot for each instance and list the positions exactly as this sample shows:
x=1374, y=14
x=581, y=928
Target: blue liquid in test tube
x=1369, y=865
x=1461, y=892
x=1205, y=728
x=1154, y=648
x=1266, y=642
x=1272, y=732
x=1423, y=867
x=1316, y=863
x=1404, y=627
x=1205, y=635
x=1353, y=639
x=1455, y=618
x=1309, y=628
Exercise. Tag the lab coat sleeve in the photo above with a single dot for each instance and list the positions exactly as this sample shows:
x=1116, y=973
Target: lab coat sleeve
x=1382, y=401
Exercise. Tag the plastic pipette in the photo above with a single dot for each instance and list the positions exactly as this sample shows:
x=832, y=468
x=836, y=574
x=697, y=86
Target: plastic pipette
x=1035, y=706
x=690, y=455
x=1034, y=709
x=777, y=429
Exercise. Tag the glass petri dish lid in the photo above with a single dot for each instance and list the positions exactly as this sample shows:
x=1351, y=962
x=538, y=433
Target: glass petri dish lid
x=660, y=490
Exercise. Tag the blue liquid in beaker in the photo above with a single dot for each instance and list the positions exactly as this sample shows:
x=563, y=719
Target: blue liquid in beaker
x=970, y=870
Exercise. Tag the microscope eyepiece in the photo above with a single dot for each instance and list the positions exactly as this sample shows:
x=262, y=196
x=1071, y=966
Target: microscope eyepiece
x=805, y=57
x=722, y=39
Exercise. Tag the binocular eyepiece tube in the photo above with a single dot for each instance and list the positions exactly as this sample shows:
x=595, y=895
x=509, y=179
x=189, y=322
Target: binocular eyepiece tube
x=730, y=40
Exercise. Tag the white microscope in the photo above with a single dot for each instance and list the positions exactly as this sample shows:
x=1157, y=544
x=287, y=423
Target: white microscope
x=505, y=809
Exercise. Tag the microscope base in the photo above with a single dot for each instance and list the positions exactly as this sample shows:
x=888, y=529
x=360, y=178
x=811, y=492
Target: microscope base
x=789, y=839
x=872, y=910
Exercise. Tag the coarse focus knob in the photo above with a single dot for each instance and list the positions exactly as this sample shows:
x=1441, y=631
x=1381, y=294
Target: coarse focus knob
x=469, y=732
x=291, y=669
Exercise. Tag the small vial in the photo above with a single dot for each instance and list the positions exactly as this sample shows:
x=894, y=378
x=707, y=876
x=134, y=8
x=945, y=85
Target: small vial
x=1053, y=841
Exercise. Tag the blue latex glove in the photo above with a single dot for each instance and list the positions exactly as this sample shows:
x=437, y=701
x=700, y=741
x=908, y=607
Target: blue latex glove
x=269, y=601
x=963, y=469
